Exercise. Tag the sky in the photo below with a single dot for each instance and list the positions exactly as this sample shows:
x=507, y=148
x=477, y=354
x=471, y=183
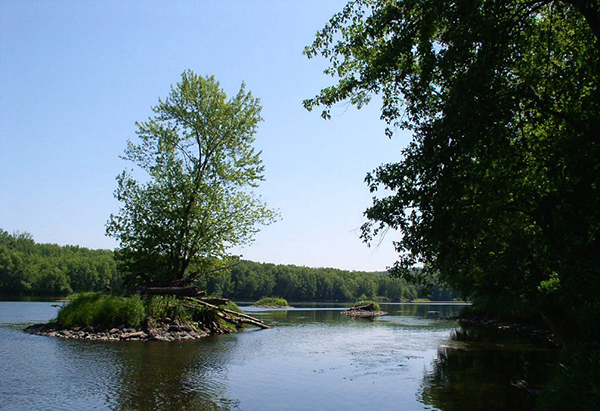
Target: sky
x=75, y=76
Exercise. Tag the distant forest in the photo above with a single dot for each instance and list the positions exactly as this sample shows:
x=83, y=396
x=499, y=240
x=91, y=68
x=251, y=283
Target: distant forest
x=30, y=269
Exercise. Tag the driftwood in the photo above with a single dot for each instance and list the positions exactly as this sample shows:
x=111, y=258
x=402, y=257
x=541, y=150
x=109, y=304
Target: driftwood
x=242, y=318
x=215, y=300
x=177, y=291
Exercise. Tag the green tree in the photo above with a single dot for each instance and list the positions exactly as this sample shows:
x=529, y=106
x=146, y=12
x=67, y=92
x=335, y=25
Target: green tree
x=197, y=201
x=499, y=190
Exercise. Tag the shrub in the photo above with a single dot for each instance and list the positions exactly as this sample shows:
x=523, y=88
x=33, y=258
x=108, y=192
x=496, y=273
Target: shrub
x=272, y=302
x=160, y=307
x=575, y=382
x=376, y=306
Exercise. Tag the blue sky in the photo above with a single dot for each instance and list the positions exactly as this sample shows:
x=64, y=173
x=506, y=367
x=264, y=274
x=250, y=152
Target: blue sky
x=75, y=76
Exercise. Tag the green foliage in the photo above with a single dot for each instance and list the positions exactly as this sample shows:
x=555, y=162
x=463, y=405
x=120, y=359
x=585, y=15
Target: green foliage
x=498, y=191
x=272, y=302
x=27, y=268
x=100, y=309
x=575, y=383
x=248, y=280
x=197, y=203
x=160, y=307
x=376, y=306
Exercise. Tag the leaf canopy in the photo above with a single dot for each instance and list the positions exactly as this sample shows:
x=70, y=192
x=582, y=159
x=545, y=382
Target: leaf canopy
x=498, y=191
x=196, y=202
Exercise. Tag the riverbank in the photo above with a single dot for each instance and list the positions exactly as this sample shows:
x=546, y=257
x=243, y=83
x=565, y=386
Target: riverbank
x=533, y=331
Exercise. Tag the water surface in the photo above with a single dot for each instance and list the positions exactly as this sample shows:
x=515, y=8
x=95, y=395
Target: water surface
x=313, y=358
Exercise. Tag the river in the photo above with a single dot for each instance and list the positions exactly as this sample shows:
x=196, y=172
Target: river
x=314, y=358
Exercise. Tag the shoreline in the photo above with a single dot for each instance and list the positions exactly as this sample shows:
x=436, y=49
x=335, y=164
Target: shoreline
x=534, y=332
x=166, y=331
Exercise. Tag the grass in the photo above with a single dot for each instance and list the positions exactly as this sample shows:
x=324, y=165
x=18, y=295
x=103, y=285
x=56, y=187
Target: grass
x=272, y=302
x=109, y=311
x=421, y=300
x=575, y=382
x=104, y=310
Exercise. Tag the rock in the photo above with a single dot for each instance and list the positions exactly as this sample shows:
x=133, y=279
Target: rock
x=138, y=334
x=114, y=330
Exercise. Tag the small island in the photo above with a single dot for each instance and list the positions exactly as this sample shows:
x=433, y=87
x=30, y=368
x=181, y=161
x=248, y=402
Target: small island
x=177, y=222
x=272, y=302
x=97, y=316
x=365, y=309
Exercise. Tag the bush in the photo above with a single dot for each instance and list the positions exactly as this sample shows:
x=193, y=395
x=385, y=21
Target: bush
x=272, y=302
x=160, y=307
x=575, y=382
x=376, y=306
x=104, y=310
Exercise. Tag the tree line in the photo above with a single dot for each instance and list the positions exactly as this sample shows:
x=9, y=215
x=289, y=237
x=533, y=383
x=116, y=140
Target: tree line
x=31, y=269
x=251, y=280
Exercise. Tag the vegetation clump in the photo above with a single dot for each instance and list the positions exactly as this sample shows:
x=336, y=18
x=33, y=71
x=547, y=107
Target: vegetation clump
x=104, y=310
x=96, y=316
x=271, y=302
x=364, y=308
x=367, y=305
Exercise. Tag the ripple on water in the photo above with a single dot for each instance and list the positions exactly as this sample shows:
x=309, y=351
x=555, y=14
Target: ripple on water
x=313, y=359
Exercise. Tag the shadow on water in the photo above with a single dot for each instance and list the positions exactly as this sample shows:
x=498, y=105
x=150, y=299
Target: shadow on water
x=481, y=369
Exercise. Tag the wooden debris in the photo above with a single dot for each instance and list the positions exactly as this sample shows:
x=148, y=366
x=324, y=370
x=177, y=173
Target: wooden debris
x=243, y=318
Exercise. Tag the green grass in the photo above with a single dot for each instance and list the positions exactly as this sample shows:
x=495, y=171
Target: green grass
x=575, y=382
x=272, y=302
x=376, y=306
x=104, y=310
x=421, y=300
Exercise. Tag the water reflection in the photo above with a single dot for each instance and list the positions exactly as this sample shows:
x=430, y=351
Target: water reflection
x=163, y=376
x=151, y=375
x=315, y=358
x=479, y=367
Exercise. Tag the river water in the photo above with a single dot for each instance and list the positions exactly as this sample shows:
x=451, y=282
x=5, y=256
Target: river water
x=314, y=358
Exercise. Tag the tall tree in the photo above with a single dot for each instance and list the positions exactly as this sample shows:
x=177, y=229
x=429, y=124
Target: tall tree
x=499, y=189
x=196, y=201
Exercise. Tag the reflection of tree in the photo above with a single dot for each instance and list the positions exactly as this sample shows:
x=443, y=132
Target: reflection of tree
x=477, y=375
x=170, y=376
x=431, y=310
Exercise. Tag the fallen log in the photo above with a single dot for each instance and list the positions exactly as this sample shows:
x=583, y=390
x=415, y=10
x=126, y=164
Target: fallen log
x=215, y=300
x=219, y=314
x=177, y=291
x=244, y=318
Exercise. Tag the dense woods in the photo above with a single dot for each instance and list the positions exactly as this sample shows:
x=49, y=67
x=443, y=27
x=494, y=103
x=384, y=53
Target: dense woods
x=30, y=269
x=250, y=280
x=27, y=268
